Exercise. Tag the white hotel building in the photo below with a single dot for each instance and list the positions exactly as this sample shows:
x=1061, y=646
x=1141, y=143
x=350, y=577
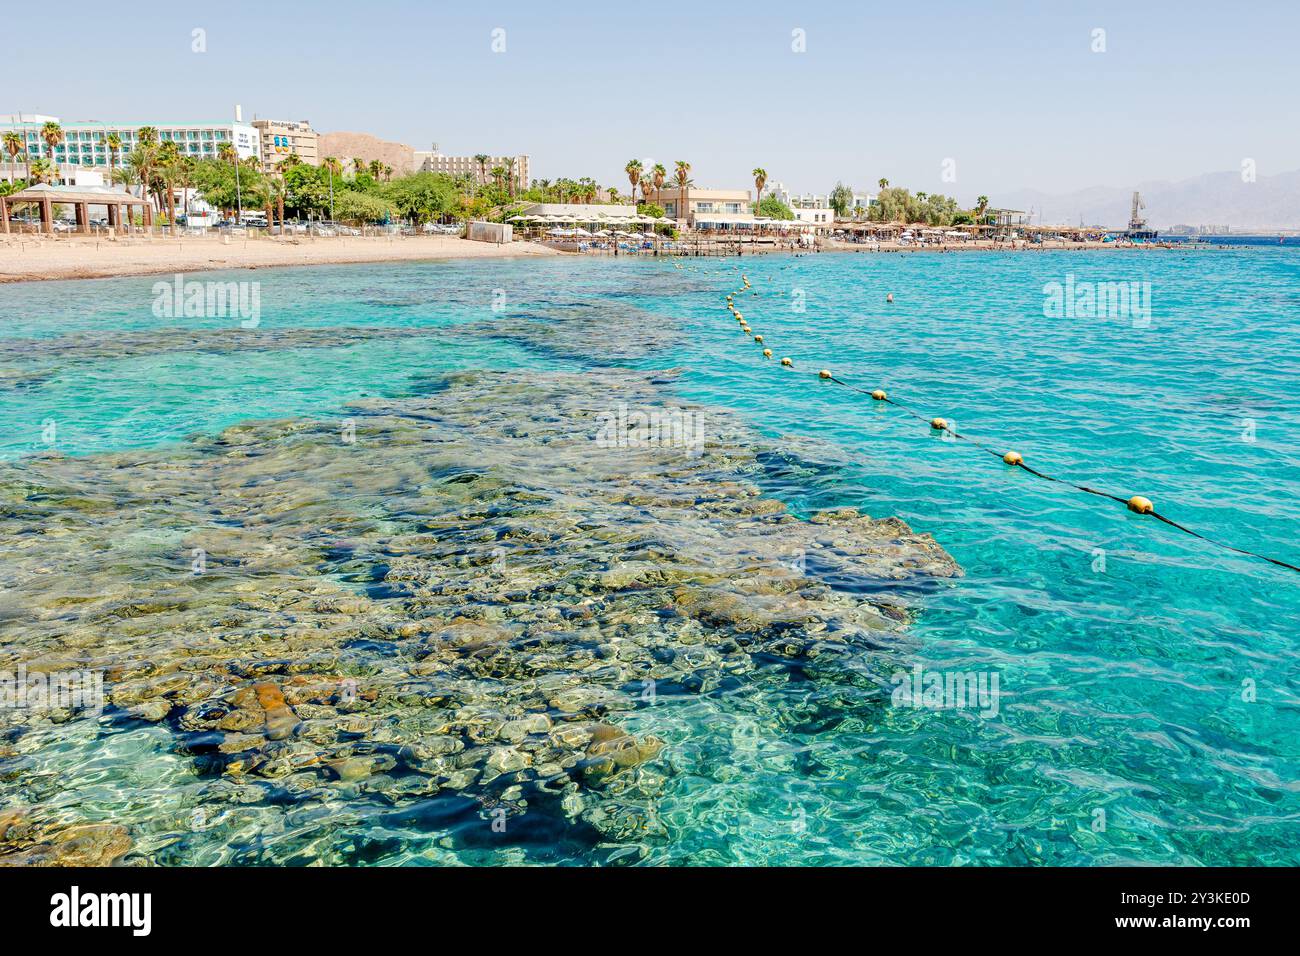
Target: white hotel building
x=85, y=145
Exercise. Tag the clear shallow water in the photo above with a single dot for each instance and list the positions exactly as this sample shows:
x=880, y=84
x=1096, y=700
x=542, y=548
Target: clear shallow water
x=1121, y=690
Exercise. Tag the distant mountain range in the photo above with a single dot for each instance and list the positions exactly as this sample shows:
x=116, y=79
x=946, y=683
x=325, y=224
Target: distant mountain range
x=1214, y=199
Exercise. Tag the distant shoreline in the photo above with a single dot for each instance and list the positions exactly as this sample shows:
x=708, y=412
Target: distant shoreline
x=40, y=259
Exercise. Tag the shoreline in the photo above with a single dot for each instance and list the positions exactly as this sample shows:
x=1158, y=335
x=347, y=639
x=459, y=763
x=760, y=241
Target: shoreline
x=39, y=260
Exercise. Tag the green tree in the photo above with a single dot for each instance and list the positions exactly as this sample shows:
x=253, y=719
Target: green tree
x=841, y=200
x=482, y=160
x=305, y=190
x=760, y=180
x=773, y=208
x=352, y=206
x=422, y=197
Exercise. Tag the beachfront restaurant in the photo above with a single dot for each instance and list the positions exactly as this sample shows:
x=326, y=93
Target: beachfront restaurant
x=46, y=199
x=580, y=224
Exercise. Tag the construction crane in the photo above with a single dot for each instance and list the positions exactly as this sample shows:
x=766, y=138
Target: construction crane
x=1137, y=226
x=1135, y=222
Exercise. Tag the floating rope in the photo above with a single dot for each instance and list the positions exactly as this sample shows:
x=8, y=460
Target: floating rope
x=1136, y=504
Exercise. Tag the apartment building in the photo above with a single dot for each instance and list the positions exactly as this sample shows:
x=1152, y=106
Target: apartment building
x=437, y=162
x=283, y=138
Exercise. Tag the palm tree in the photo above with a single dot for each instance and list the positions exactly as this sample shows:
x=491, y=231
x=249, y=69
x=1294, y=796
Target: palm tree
x=359, y=166
x=981, y=207
x=388, y=173
x=682, y=171
x=147, y=146
x=168, y=156
x=760, y=180
x=272, y=191
x=42, y=170
x=498, y=174
x=290, y=161
x=226, y=153
x=13, y=144
x=114, y=150
x=52, y=133
x=185, y=166
x=376, y=169
x=645, y=190
x=170, y=173
x=510, y=172
x=482, y=160
x=124, y=176
x=268, y=202
x=633, y=170
x=659, y=174
x=883, y=183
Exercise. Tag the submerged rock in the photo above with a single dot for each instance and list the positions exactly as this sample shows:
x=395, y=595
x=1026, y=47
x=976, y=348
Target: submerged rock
x=472, y=600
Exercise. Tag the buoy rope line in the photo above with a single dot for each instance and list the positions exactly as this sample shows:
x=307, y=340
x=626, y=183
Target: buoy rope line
x=1136, y=504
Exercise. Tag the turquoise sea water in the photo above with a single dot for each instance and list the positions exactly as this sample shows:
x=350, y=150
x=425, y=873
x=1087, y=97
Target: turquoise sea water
x=1149, y=683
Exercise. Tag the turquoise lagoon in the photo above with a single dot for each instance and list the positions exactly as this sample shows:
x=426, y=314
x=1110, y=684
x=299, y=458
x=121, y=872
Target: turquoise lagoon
x=1150, y=693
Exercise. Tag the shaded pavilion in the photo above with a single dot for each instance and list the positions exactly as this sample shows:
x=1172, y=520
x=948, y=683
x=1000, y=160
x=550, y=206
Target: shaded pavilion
x=118, y=202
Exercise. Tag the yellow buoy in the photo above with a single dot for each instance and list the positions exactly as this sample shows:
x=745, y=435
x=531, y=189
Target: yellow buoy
x=824, y=373
x=938, y=424
x=767, y=353
x=758, y=338
x=1142, y=506
x=787, y=362
x=879, y=395
x=1013, y=458
x=739, y=315
x=890, y=297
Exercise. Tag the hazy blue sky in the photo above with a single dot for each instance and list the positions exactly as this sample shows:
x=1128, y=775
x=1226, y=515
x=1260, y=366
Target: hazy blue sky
x=1011, y=91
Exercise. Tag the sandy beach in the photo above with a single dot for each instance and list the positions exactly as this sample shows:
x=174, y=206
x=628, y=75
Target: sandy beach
x=29, y=258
